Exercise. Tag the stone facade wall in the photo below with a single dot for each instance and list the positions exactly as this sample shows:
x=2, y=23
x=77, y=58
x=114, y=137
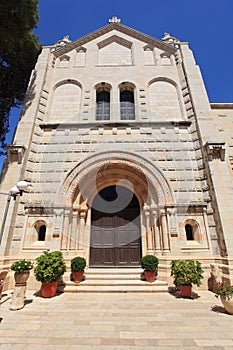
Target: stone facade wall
x=165, y=152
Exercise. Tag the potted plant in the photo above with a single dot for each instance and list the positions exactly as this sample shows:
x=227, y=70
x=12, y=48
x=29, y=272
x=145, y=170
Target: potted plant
x=78, y=265
x=48, y=269
x=186, y=273
x=149, y=264
x=225, y=291
x=22, y=270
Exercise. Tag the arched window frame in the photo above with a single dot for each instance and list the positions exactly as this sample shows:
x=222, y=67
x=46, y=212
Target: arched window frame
x=103, y=101
x=39, y=227
x=191, y=230
x=127, y=107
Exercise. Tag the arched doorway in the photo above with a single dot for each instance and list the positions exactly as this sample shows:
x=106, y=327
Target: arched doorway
x=115, y=228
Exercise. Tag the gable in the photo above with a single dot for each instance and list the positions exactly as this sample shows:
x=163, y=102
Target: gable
x=116, y=29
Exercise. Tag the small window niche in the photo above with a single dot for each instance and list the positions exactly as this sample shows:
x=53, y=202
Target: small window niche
x=40, y=231
x=64, y=61
x=192, y=231
x=149, y=56
x=80, y=59
x=189, y=232
x=165, y=60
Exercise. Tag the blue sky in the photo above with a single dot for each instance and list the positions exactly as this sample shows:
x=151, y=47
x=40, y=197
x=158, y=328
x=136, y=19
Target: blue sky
x=206, y=24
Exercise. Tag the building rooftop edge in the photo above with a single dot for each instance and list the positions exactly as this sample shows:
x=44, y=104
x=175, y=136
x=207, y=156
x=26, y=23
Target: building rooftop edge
x=222, y=105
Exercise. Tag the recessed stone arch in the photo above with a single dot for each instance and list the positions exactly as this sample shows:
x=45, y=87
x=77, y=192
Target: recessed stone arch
x=67, y=81
x=65, y=100
x=161, y=78
x=107, y=168
x=103, y=86
x=165, y=99
x=194, y=233
x=127, y=85
x=40, y=228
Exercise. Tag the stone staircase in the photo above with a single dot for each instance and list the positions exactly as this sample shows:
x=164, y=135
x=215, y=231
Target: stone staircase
x=100, y=280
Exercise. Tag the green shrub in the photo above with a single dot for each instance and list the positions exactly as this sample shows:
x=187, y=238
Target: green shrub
x=78, y=264
x=186, y=272
x=149, y=262
x=49, y=267
x=21, y=265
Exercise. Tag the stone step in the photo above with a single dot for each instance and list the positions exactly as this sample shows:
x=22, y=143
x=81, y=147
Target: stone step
x=115, y=283
x=112, y=280
x=112, y=277
x=107, y=271
x=109, y=275
x=157, y=286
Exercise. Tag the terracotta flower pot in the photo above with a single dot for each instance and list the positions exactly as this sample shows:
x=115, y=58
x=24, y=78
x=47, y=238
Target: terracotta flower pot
x=186, y=291
x=150, y=276
x=21, y=277
x=48, y=289
x=77, y=276
x=228, y=304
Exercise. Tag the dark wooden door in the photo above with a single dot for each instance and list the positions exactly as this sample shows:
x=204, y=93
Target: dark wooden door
x=115, y=234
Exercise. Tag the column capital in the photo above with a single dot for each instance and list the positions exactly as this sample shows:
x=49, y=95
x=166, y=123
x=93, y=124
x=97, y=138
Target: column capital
x=76, y=208
x=154, y=207
x=146, y=208
x=162, y=211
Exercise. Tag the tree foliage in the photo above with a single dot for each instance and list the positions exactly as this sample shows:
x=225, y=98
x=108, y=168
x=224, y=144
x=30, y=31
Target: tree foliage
x=19, y=50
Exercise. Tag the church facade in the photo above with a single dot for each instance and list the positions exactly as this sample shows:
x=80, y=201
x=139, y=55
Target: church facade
x=124, y=154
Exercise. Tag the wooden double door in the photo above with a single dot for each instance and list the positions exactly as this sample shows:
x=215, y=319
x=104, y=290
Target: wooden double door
x=115, y=230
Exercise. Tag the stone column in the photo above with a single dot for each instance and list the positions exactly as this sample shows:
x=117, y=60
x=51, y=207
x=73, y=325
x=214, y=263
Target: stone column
x=206, y=228
x=82, y=220
x=163, y=219
x=58, y=222
x=149, y=238
x=65, y=231
x=115, y=105
x=156, y=230
x=74, y=230
x=173, y=222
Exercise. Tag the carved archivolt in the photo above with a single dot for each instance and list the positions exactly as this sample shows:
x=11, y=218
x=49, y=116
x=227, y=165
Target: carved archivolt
x=125, y=168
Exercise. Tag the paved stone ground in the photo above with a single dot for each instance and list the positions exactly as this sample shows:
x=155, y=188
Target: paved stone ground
x=116, y=321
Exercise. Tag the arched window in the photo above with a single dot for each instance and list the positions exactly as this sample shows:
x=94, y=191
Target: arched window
x=102, y=105
x=127, y=105
x=41, y=233
x=189, y=232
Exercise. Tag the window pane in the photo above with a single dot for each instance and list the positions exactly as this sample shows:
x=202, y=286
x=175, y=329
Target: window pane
x=103, y=105
x=127, y=105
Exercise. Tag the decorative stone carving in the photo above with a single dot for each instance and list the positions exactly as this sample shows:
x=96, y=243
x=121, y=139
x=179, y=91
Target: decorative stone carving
x=63, y=41
x=137, y=164
x=114, y=19
x=170, y=39
x=215, y=150
x=15, y=153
